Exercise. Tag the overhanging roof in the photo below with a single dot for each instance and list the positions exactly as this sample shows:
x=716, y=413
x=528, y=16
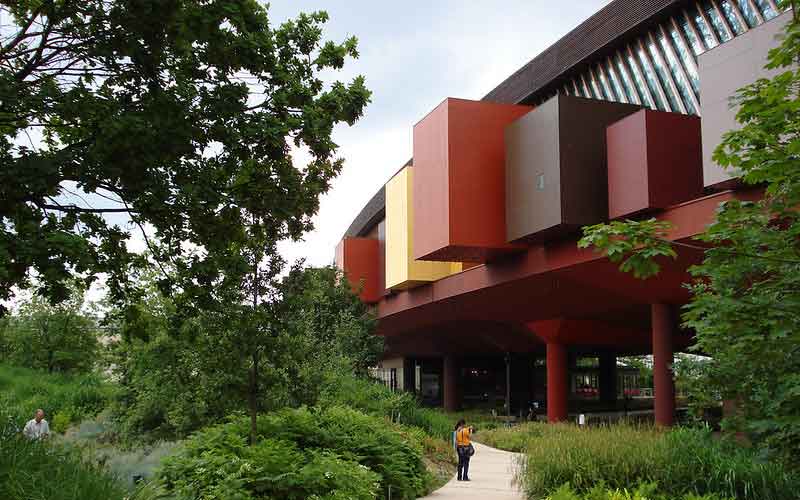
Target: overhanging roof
x=611, y=23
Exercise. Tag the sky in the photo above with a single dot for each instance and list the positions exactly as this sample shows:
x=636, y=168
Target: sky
x=414, y=54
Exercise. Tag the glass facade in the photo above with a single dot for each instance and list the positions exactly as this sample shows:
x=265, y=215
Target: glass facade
x=687, y=59
x=691, y=34
x=627, y=82
x=678, y=73
x=656, y=90
x=659, y=69
x=717, y=21
x=733, y=16
x=749, y=14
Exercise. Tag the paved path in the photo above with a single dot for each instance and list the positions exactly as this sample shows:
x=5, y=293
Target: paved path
x=490, y=471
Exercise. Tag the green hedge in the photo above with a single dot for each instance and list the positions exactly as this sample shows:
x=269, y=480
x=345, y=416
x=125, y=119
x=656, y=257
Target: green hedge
x=331, y=453
x=680, y=462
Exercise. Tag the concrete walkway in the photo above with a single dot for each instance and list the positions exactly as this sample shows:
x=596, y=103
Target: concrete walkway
x=491, y=471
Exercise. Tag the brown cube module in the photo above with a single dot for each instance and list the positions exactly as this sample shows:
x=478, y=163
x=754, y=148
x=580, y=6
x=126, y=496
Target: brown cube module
x=556, y=167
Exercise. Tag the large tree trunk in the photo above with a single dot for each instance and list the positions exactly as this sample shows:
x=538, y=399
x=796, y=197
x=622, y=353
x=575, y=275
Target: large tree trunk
x=253, y=392
x=253, y=399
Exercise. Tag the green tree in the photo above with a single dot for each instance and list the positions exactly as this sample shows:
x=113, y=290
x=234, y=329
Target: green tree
x=745, y=305
x=645, y=366
x=181, y=115
x=332, y=328
x=55, y=338
x=179, y=372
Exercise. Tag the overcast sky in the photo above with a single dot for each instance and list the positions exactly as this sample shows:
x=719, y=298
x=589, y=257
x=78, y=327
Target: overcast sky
x=414, y=54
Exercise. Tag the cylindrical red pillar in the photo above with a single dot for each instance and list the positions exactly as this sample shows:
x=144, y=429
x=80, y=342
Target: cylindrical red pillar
x=557, y=382
x=450, y=369
x=663, y=329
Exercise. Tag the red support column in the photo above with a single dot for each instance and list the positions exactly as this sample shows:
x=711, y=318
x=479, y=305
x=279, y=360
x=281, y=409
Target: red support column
x=557, y=382
x=663, y=329
x=450, y=376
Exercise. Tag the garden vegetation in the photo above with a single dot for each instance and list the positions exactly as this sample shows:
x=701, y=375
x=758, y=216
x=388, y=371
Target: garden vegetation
x=677, y=463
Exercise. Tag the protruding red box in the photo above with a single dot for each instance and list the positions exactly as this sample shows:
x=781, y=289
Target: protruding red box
x=655, y=160
x=358, y=258
x=459, y=181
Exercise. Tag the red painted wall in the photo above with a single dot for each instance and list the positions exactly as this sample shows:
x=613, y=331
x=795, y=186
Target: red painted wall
x=359, y=259
x=654, y=161
x=459, y=181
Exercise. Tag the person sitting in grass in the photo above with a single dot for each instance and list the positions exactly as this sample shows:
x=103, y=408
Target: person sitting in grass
x=37, y=427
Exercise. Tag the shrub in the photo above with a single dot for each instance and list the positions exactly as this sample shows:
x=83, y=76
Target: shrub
x=221, y=465
x=374, y=398
x=680, y=462
x=62, y=419
x=329, y=453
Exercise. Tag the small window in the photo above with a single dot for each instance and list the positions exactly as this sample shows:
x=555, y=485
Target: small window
x=748, y=13
x=716, y=21
x=691, y=35
x=540, y=182
x=731, y=15
x=705, y=30
x=766, y=9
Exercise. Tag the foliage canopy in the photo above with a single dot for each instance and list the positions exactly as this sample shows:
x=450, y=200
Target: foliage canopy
x=186, y=126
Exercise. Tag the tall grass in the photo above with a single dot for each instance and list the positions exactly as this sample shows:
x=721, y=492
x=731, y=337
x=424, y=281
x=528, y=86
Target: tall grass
x=65, y=399
x=510, y=438
x=38, y=470
x=32, y=470
x=680, y=462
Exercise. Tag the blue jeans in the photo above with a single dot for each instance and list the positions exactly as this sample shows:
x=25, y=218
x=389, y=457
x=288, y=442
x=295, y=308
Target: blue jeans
x=463, y=462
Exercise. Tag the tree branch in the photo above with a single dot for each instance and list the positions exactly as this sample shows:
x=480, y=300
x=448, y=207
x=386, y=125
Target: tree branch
x=23, y=33
x=77, y=209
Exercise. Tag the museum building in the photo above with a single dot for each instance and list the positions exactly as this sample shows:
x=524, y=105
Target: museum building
x=469, y=252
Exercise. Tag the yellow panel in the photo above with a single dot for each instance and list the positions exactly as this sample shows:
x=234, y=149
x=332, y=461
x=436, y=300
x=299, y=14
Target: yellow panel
x=402, y=271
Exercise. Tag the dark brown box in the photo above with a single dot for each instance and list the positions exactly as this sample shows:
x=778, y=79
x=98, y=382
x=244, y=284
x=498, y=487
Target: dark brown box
x=556, y=167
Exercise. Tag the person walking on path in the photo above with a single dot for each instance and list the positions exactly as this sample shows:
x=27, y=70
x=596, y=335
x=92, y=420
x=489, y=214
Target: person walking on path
x=37, y=427
x=464, y=448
